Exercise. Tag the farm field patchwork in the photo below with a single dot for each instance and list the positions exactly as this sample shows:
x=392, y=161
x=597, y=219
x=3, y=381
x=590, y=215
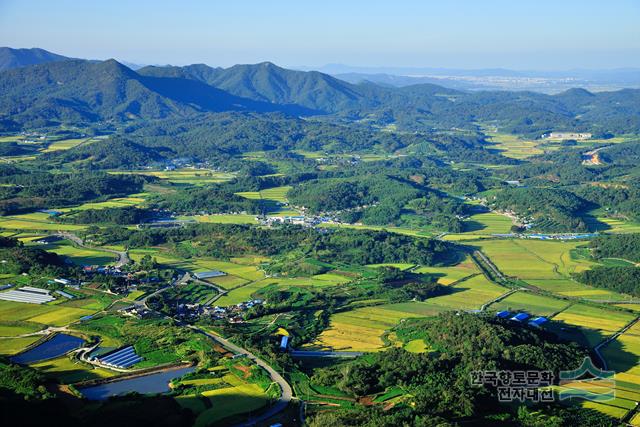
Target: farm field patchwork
x=534, y=259
x=589, y=325
x=362, y=329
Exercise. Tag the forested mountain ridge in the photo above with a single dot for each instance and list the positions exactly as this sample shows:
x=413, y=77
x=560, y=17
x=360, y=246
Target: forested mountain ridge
x=15, y=58
x=82, y=91
x=89, y=92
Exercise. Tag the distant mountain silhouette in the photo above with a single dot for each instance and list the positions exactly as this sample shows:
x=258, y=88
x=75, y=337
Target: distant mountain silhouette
x=15, y=58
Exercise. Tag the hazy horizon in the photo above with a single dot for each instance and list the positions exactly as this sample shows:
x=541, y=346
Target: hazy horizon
x=464, y=34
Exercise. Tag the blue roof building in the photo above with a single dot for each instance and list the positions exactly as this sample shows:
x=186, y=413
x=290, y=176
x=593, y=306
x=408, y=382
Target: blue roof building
x=503, y=314
x=538, y=321
x=284, y=342
x=520, y=317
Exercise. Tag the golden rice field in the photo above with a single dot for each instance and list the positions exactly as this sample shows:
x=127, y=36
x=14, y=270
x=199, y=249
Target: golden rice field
x=52, y=315
x=361, y=329
x=513, y=146
x=535, y=259
x=235, y=396
x=64, y=144
x=590, y=325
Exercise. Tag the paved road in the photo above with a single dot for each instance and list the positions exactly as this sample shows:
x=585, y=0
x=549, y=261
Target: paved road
x=285, y=389
x=123, y=257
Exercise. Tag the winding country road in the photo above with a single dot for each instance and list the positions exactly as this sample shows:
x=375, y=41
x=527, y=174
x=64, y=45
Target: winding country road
x=286, y=393
x=123, y=257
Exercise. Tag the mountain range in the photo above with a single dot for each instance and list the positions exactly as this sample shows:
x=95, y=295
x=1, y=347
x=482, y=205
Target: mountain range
x=63, y=90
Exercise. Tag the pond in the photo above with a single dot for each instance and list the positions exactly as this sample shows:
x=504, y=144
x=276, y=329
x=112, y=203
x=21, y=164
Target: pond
x=148, y=384
x=55, y=347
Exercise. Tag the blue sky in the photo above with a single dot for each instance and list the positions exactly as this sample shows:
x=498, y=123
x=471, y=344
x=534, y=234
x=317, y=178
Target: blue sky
x=517, y=34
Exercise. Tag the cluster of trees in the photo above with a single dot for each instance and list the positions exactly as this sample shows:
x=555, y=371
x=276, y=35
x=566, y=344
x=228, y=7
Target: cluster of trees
x=379, y=200
x=342, y=245
x=438, y=383
x=17, y=258
x=552, y=210
x=34, y=189
x=621, y=279
x=209, y=199
x=121, y=216
x=626, y=246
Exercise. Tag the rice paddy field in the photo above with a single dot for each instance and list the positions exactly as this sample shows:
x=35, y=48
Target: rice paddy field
x=589, y=325
x=189, y=176
x=68, y=371
x=622, y=356
x=546, y=264
x=531, y=303
x=620, y=226
x=535, y=259
x=12, y=329
x=233, y=396
x=222, y=218
x=11, y=346
x=80, y=256
x=362, y=329
x=35, y=222
x=64, y=144
x=513, y=146
x=469, y=294
x=43, y=314
x=449, y=275
x=482, y=225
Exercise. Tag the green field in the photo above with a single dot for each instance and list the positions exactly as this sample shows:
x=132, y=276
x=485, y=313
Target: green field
x=64, y=144
x=531, y=303
x=11, y=346
x=81, y=256
x=469, y=294
x=67, y=371
x=448, y=275
x=483, y=224
x=188, y=176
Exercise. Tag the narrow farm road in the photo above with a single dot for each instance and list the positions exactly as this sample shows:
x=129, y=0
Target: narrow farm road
x=123, y=257
x=286, y=393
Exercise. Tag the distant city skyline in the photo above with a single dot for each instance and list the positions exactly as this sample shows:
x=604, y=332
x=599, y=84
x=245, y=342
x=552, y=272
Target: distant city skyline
x=463, y=34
